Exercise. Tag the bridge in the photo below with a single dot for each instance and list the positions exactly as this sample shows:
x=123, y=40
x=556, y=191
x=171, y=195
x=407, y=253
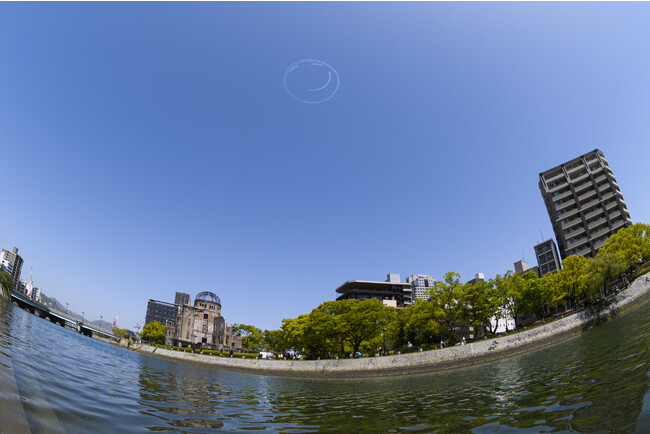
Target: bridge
x=58, y=317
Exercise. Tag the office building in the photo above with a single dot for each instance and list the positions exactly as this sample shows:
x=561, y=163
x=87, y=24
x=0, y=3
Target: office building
x=420, y=284
x=548, y=259
x=584, y=203
x=392, y=292
x=12, y=263
x=182, y=298
x=160, y=311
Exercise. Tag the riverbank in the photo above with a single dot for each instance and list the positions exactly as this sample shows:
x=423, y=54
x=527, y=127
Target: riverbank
x=426, y=361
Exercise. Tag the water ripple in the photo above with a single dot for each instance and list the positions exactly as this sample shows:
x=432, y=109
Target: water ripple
x=597, y=381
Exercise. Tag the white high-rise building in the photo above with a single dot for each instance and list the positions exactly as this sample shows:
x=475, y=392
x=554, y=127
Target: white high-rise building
x=421, y=283
x=12, y=263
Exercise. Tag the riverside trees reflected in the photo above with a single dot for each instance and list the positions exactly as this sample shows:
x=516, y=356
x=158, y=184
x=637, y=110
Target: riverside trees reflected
x=595, y=382
x=64, y=382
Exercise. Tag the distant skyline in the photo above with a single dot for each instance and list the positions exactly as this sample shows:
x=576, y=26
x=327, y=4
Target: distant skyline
x=149, y=148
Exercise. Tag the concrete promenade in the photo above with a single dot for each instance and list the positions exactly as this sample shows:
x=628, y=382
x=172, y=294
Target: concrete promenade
x=427, y=361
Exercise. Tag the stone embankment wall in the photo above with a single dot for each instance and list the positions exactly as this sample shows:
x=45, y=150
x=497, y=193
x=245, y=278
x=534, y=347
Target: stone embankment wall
x=428, y=361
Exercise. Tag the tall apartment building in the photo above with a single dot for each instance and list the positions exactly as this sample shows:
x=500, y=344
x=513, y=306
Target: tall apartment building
x=421, y=283
x=548, y=259
x=584, y=203
x=12, y=263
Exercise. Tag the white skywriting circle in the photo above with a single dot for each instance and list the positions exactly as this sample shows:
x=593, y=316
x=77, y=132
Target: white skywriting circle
x=311, y=81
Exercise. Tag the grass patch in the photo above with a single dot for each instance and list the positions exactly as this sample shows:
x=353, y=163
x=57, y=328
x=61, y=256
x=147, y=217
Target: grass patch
x=214, y=353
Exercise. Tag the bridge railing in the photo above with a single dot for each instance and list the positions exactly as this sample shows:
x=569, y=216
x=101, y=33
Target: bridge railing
x=77, y=320
x=43, y=307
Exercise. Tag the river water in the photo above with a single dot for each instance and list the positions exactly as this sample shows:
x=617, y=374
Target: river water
x=54, y=380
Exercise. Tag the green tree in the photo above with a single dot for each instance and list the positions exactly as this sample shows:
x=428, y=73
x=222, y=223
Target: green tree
x=604, y=269
x=420, y=324
x=364, y=321
x=274, y=341
x=6, y=282
x=536, y=294
x=153, y=332
x=336, y=309
x=511, y=289
x=482, y=302
x=448, y=300
x=318, y=335
x=252, y=338
x=571, y=282
x=293, y=330
x=121, y=333
x=630, y=245
x=502, y=294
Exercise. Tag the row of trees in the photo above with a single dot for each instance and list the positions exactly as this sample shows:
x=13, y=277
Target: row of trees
x=348, y=326
x=342, y=327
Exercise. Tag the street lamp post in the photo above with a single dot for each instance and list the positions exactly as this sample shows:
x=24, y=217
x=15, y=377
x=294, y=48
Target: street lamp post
x=66, y=308
x=82, y=316
x=383, y=337
x=100, y=320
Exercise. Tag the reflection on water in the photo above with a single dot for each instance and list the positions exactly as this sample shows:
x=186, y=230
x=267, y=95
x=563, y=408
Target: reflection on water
x=65, y=382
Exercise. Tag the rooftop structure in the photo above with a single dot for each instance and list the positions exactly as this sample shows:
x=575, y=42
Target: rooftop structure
x=522, y=267
x=392, y=292
x=478, y=277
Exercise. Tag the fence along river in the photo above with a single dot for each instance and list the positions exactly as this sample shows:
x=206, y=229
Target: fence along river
x=54, y=380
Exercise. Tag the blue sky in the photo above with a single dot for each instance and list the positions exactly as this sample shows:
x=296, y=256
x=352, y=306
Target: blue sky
x=149, y=148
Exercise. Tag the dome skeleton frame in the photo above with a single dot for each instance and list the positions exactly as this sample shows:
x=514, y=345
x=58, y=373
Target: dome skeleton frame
x=208, y=296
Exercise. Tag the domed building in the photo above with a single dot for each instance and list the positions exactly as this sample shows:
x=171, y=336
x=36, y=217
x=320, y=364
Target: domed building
x=201, y=325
